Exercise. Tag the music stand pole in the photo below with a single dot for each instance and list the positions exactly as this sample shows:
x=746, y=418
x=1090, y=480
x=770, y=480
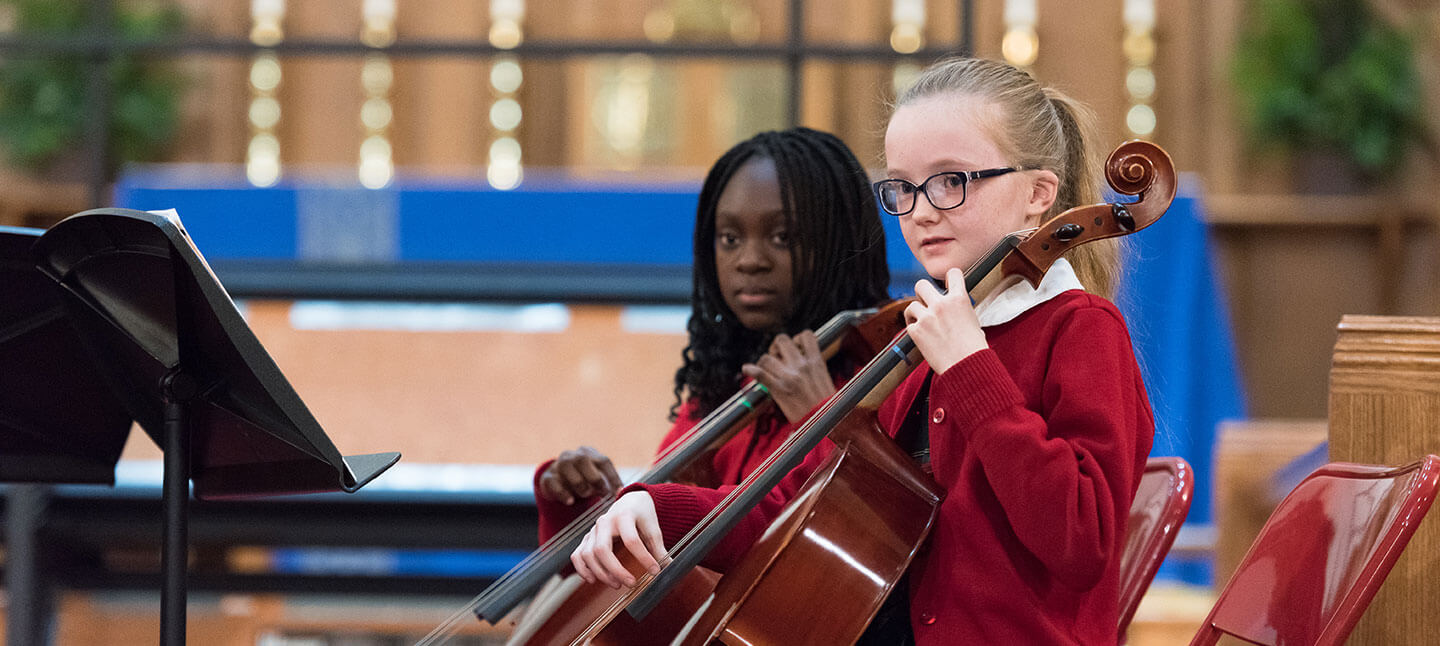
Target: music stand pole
x=28, y=612
x=177, y=389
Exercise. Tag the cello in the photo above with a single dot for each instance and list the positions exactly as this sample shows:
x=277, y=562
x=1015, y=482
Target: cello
x=866, y=511
x=858, y=333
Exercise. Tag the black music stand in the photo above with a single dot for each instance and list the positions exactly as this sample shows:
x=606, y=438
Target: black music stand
x=173, y=349
x=58, y=420
x=59, y=423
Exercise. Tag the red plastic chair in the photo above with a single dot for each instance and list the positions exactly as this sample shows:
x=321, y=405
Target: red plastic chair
x=1323, y=554
x=1161, y=503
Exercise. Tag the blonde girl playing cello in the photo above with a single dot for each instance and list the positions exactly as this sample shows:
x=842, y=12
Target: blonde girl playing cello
x=1030, y=401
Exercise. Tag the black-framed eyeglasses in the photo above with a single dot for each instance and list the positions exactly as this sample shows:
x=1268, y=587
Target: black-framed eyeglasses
x=945, y=191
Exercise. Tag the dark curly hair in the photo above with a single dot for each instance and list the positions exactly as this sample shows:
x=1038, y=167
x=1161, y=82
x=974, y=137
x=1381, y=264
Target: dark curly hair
x=838, y=255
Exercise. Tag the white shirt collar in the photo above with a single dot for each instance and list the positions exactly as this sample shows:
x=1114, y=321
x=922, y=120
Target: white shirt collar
x=1004, y=305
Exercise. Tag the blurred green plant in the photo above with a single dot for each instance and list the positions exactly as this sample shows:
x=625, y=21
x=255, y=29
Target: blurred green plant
x=42, y=96
x=1328, y=75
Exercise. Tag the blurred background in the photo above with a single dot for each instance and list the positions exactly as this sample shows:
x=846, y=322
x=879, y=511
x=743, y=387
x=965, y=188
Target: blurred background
x=462, y=230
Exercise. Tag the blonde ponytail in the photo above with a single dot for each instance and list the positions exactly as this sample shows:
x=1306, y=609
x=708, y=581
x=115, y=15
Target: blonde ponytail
x=1097, y=264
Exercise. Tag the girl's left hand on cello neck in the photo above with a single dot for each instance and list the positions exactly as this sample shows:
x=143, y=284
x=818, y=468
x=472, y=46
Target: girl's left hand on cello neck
x=795, y=373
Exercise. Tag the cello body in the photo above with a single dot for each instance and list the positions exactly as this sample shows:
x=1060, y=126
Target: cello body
x=851, y=532
x=852, y=529
x=570, y=611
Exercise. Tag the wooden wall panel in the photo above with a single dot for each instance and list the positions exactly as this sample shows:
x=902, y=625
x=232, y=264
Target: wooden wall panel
x=214, y=122
x=320, y=95
x=1288, y=288
x=1080, y=54
x=1385, y=409
x=1181, y=93
x=477, y=397
x=1247, y=454
x=442, y=104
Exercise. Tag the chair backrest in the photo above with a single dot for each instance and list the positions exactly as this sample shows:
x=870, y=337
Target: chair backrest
x=1323, y=554
x=1161, y=502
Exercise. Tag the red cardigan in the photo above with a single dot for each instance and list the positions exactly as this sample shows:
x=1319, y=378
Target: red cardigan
x=731, y=462
x=1039, y=443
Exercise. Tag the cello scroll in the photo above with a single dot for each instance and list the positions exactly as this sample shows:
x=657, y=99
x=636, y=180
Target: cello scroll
x=1135, y=168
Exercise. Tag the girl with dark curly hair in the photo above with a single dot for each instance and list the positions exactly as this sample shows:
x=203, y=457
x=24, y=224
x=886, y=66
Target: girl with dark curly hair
x=787, y=234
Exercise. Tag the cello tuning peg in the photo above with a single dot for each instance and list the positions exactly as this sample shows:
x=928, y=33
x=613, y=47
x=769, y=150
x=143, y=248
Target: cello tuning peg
x=1068, y=232
x=1122, y=216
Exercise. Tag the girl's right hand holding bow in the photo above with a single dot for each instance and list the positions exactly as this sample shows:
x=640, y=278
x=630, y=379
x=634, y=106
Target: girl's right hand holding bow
x=633, y=520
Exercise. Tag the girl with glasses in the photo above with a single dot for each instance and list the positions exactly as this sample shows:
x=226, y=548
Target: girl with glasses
x=786, y=236
x=1029, y=401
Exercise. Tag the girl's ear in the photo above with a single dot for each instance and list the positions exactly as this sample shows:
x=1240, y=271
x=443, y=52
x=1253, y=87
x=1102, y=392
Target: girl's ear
x=1043, y=191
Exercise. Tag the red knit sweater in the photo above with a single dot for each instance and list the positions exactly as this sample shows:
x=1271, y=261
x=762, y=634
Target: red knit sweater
x=1038, y=442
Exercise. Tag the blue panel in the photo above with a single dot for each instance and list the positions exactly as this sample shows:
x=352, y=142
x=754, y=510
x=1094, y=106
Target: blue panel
x=546, y=220
x=332, y=561
x=228, y=221
x=548, y=225
x=897, y=254
x=1180, y=324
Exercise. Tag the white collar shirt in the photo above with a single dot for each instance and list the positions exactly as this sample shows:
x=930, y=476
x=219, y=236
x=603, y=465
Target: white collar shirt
x=1002, y=306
